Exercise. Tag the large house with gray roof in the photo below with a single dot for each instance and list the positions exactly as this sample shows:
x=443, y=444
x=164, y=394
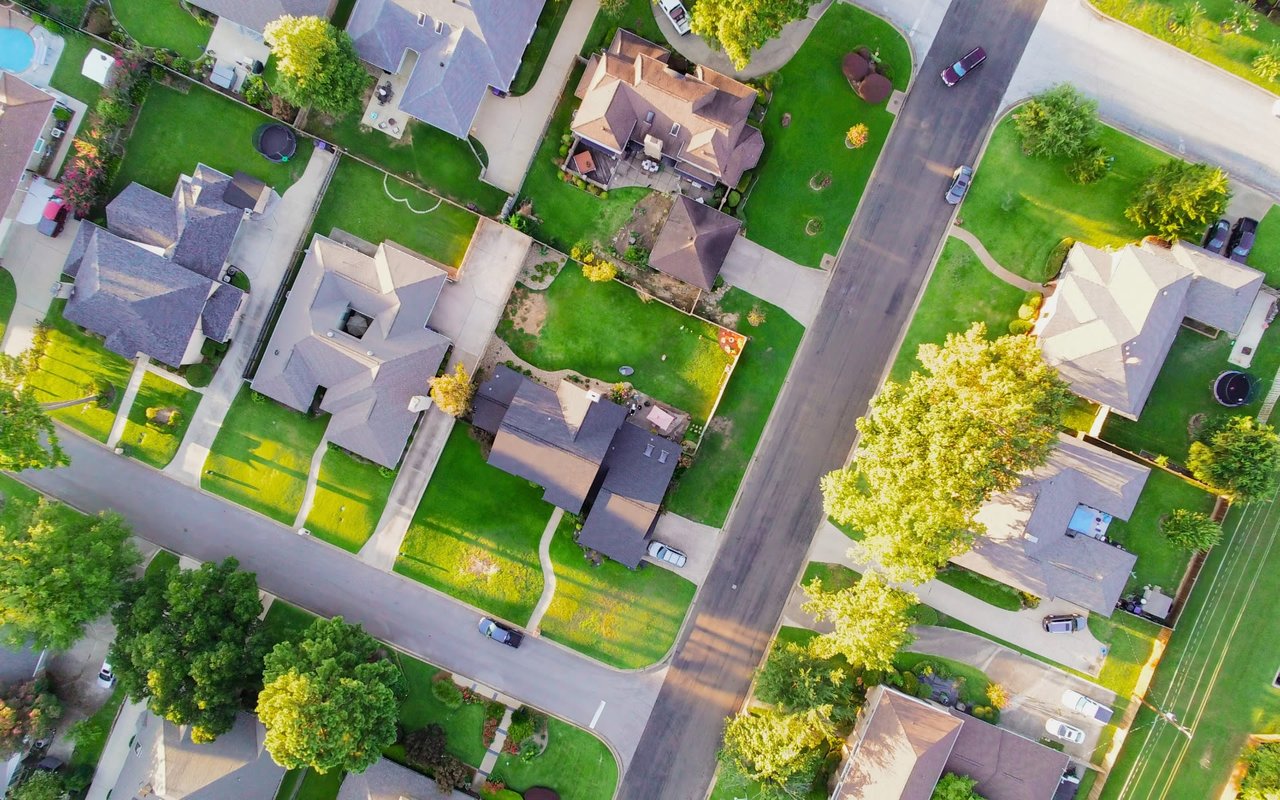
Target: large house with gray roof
x=256, y=14
x=1048, y=536
x=151, y=282
x=353, y=341
x=1113, y=315
x=694, y=242
x=452, y=52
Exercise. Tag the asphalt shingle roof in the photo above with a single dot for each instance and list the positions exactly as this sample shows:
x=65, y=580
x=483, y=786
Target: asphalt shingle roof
x=694, y=242
x=638, y=469
x=256, y=14
x=1005, y=765
x=898, y=749
x=24, y=111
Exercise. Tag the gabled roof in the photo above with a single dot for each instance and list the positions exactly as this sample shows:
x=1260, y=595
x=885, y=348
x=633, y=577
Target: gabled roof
x=370, y=375
x=246, y=192
x=256, y=14
x=1028, y=544
x=18, y=665
x=479, y=44
x=694, y=242
x=234, y=766
x=1005, y=765
x=24, y=110
x=638, y=469
x=1223, y=291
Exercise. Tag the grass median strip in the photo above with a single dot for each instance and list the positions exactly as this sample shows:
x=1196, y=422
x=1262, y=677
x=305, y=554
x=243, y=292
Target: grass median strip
x=350, y=496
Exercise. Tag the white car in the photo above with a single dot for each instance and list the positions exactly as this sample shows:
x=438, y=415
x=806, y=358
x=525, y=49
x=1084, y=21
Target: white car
x=1062, y=730
x=676, y=12
x=106, y=678
x=1086, y=706
x=670, y=555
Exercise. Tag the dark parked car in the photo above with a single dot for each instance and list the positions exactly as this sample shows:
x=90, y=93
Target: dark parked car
x=1242, y=234
x=1063, y=623
x=952, y=74
x=54, y=218
x=501, y=633
x=960, y=180
x=1215, y=240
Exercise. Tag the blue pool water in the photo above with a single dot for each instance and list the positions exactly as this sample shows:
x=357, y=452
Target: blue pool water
x=16, y=49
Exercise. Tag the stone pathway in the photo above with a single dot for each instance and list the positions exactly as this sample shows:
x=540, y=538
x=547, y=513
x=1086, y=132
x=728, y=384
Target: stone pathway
x=757, y=270
x=991, y=264
x=548, y=572
x=313, y=475
x=491, y=755
x=773, y=56
x=126, y=402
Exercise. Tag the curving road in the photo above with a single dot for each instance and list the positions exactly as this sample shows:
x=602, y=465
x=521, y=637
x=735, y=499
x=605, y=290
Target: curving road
x=885, y=260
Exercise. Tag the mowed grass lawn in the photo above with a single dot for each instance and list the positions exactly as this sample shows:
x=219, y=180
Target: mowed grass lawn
x=357, y=202
x=960, y=292
x=8, y=298
x=67, y=75
x=1021, y=207
x=625, y=618
x=705, y=491
x=155, y=443
x=1265, y=256
x=173, y=134
x=595, y=328
x=350, y=495
x=813, y=90
x=576, y=765
x=539, y=47
x=1130, y=643
x=262, y=455
x=307, y=784
x=163, y=23
x=1159, y=562
x=67, y=369
x=475, y=534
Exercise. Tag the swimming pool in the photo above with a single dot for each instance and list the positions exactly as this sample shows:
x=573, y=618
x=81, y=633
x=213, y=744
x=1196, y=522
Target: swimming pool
x=17, y=48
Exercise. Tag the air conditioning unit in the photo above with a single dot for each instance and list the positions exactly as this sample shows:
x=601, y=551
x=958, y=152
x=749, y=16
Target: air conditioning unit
x=593, y=397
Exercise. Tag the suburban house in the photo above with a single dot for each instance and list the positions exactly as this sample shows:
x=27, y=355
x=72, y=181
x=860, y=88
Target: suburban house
x=442, y=56
x=1113, y=315
x=901, y=746
x=255, y=14
x=694, y=242
x=163, y=763
x=152, y=282
x=633, y=103
x=353, y=341
x=25, y=118
x=579, y=447
x=1048, y=536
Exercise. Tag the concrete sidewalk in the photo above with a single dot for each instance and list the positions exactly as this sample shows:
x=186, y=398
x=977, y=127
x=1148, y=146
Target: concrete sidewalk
x=993, y=266
x=759, y=271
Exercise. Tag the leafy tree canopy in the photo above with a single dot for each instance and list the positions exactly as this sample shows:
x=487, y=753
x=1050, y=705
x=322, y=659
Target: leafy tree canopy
x=452, y=393
x=1057, y=122
x=1239, y=457
x=1262, y=777
x=1178, y=200
x=316, y=64
x=784, y=751
x=1191, y=530
x=871, y=619
x=28, y=439
x=797, y=680
x=39, y=786
x=741, y=26
x=27, y=711
x=955, y=787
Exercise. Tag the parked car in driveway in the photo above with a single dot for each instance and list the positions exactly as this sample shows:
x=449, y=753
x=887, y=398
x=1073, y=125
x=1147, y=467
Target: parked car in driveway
x=1085, y=706
x=1063, y=623
x=54, y=218
x=1242, y=234
x=970, y=60
x=106, y=678
x=670, y=555
x=960, y=180
x=1060, y=729
x=501, y=633
x=676, y=12
x=1215, y=240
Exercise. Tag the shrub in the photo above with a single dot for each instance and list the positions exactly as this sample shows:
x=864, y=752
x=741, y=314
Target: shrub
x=997, y=695
x=599, y=271
x=427, y=748
x=1029, y=600
x=152, y=412
x=924, y=691
x=199, y=375
x=451, y=774
x=255, y=91
x=1191, y=530
x=1018, y=327
x=182, y=65
x=755, y=317
x=1034, y=299
x=910, y=683
x=733, y=199
x=522, y=725
x=1026, y=311
x=1262, y=772
x=448, y=693
x=858, y=136
x=1090, y=165
x=1266, y=64
x=635, y=254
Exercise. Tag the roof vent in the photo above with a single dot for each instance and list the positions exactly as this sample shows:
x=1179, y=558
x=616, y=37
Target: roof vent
x=368, y=352
x=648, y=450
x=662, y=457
x=593, y=397
x=329, y=334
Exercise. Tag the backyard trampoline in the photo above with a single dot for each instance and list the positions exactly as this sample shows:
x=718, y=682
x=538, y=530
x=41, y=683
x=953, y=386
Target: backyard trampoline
x=275, y=142
x=1233, y=388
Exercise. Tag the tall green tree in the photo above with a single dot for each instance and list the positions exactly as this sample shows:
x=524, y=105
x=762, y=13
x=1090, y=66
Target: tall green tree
x=955, y=787
x=188, y=644
x=27, y=711
x=60, y=571
x=1191, y=530
x=794, y=678
x=316, y=65
x=1179, y=199
x=1261, y=779
x=741, y=26
x=781, y=750
x=39, y=786
x=1239, y=457
x=331, y=700
x=1058, y=122
x=870, y=619
x=28, y=439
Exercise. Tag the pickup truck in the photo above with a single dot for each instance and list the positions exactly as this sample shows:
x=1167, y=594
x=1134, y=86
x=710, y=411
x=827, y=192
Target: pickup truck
x=1086, y=706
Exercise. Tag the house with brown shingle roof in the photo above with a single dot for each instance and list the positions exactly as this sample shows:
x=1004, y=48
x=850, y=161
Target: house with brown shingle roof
x=693, y=243
x=24, y=115
x=633, y=102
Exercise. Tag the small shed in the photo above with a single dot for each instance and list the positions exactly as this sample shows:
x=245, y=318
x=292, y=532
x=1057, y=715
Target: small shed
x=98, y=66
x=1156, y=603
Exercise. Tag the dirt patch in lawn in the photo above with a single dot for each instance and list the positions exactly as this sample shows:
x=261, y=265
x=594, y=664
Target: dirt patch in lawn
x=529, y=311
x=481, y=566
x=646, y=220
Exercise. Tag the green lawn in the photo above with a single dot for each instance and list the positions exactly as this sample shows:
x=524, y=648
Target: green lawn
x=172, y=135
x=307, y=784
x=157, y=444
x=350, y=495
x=706, y=490
x=1265, y=256
x=1184, y=389
x=71, y=362
x=163, y=23
x=463, y=726
x=1130, y=641
x=985, y=589
x=91, y=735
x=8, y=298
x=1159, y=562
x=1021, y=207
x=539, y=47
x=162, y=561
x=261, y=456
x=960, y=292
x=67, y=77
x=634, y=15
x=575, y=764
x=358, y=203
x=342, y=13
x=475, y=534
x=625, y=618
x=595, y=328
x=974, y=689
x=813, y=90
x=429, y=156
x=1233, y=52
x=1080, y=414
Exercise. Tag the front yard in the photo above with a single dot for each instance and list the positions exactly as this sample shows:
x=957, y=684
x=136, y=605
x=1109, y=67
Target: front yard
x=350, y=495
x=576, y=764
x=67, y=75
x=163, y=23
x=626, y=618
x=539, y=47
x=1266, y=248
x=156, y=442
x=262, y=455
x=475, y=534
x=812, y=89
x=1159, y=562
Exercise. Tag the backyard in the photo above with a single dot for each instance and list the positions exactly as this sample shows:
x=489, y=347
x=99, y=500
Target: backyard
x=1159, y=562
x=1131, y=642
x=155, y=442
x=67, y=75
x=705, y=491
x=475, y=533
x=163, y=23
x=811, y=148
x=262, y=455
x=595, y=328
x=307, y=784
x=625, y=618
x=350, y=495
x=1022, y=207
x=73, y=365
x=359, y=204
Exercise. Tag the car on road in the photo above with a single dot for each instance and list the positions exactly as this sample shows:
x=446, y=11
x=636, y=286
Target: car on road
x=1063, y=623
x=967, y=63
x=106, y=678
x=960, y=180
x=1085, y=706
x=501, y=633
x=1060, y=729
x=676, y=12
x=1215, y=240
x=54, y=218
x=665, y=553
x=1242, y=234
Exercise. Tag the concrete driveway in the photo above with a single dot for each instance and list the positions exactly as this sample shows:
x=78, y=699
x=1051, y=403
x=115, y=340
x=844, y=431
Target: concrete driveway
x=698, y=542
x=35, y=261
x=759, y=271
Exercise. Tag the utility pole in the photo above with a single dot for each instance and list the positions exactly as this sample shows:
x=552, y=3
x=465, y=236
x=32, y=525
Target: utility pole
x=1168, y=717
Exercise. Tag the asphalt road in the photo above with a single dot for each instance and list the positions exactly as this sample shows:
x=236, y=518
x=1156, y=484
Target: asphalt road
x=886, y=257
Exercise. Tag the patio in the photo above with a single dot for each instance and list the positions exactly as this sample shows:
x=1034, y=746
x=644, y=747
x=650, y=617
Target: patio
x=631, y=169
x=235, y=49
x=382, y=112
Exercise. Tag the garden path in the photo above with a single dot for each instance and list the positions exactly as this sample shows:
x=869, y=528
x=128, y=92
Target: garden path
x=796, y=289
x=126, y=402
x=313, y=476
x=548, y=571
x=990, y=263
x=491, y=756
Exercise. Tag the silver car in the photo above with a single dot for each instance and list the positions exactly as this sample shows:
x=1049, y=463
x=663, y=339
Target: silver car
x=960, y=180
x=1060, y=729
x=670, y=555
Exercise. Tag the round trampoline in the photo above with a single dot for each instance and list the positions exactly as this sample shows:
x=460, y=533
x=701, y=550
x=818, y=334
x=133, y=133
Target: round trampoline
x=1233, y=388
x=275, y=142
